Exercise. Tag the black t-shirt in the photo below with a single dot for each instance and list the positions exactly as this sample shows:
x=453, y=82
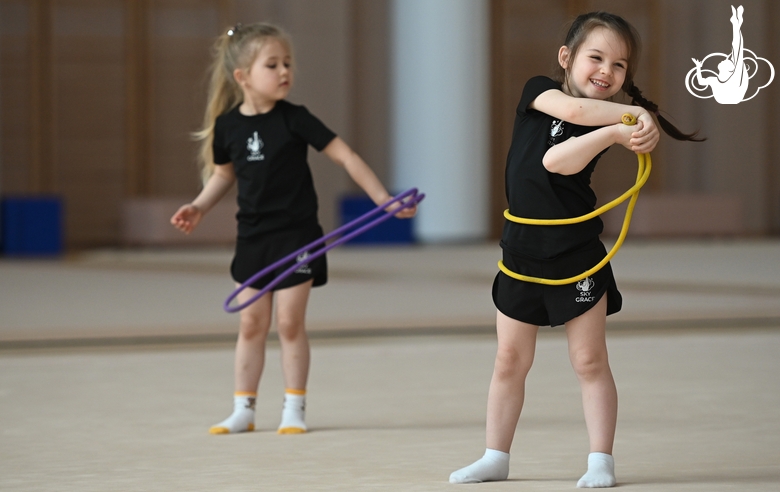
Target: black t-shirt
x=534, y=192
x=269, y=155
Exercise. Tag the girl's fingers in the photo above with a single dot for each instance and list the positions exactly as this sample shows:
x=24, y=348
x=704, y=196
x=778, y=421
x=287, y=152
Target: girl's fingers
x=407, y=213
x=643, y=136
x=643, y=148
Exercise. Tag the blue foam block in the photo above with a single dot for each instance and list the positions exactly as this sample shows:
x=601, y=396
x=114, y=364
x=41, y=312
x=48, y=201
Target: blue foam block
x=31, y=226
x=391, y=231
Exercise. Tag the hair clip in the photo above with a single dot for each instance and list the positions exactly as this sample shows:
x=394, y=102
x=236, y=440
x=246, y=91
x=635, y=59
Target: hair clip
x=234, y=29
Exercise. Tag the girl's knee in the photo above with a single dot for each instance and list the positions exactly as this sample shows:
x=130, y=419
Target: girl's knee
x=253, y=326
x=589, y=364
x=511, y=364
x=290, y=329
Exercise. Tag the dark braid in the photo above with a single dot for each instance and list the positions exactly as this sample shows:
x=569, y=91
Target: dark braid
x=671, y=130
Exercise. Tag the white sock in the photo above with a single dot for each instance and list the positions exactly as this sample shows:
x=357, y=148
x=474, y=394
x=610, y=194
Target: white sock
x=293, y=412
x=243, y=417
x=493, y=466
x=601, y=472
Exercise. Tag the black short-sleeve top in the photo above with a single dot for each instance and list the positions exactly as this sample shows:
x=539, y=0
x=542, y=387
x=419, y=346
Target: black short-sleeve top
x=534, y=192
x=269, y=154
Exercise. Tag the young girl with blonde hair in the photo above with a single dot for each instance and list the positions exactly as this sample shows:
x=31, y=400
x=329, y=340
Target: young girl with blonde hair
x=561, y=129
x=253, y=137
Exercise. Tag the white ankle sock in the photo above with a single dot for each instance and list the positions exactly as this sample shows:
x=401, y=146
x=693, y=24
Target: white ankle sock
x=243, y=417
x=493, y=466
x=601, y=472
x=293, y=412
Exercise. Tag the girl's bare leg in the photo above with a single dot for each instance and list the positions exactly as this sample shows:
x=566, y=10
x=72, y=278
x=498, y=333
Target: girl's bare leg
x=252, y=334
x=589, y=358
x=514, y=357
x=588, y=354
x=250, y=359
x=291, y=325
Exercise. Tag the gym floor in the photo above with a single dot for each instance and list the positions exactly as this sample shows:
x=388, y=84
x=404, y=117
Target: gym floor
x=113, y=364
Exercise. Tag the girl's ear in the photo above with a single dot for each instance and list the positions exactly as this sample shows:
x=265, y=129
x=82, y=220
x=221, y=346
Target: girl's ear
x=563, y=57
x=239, y=76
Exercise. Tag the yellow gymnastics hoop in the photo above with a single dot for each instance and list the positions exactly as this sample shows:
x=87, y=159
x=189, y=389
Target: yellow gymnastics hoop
x=643, y=173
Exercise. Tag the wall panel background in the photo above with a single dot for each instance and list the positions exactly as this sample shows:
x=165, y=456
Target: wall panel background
x=98, y=97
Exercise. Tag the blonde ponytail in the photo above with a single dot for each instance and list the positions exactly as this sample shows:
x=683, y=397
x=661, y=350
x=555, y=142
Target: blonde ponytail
x=237, y=48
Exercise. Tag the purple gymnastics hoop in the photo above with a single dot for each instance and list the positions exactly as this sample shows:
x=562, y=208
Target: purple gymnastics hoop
x=414, y=199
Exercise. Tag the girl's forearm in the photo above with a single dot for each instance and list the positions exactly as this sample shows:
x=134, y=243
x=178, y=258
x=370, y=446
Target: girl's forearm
x=593, y=112
x=361, y=174
x=571, y=156
x=340, y=153
x=216, y=187
x=581, y=110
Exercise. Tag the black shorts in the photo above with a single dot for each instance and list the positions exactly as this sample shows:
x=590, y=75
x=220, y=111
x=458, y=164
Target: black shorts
x=553, y=305
x=254, y=254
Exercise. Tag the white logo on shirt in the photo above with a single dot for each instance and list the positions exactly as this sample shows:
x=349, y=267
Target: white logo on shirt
x=254, y=145
x=556, y=130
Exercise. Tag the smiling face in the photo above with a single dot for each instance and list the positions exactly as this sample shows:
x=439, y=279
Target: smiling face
x=269, y=78
x=598, y=69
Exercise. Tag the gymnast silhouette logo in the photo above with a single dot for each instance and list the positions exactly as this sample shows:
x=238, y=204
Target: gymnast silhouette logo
x=304, y=268
x=585, y=285
x=254, y=145
x=556, y=130
x=730, y=84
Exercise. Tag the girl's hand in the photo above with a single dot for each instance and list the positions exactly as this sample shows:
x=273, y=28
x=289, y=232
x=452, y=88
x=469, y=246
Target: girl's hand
x=645, y=134
x=187, y=218
x=406, y=213
x=624, y=134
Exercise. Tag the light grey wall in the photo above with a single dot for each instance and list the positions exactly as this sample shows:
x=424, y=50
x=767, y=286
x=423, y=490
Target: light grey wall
x=440, y=107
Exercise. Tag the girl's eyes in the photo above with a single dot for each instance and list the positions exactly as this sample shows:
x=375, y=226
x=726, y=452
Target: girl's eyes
x=598, y=58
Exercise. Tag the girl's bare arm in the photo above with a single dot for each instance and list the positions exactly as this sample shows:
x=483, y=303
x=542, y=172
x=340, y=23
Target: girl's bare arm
x=189, y=215
x=589, y=112
x=572, y=155
x=216, y=187
x=340, y=153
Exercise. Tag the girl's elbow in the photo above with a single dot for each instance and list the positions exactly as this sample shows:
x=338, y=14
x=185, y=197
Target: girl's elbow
x=561, y=167
x=551, y=165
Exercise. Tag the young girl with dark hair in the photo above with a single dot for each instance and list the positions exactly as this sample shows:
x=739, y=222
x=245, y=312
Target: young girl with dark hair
x=561, y=129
